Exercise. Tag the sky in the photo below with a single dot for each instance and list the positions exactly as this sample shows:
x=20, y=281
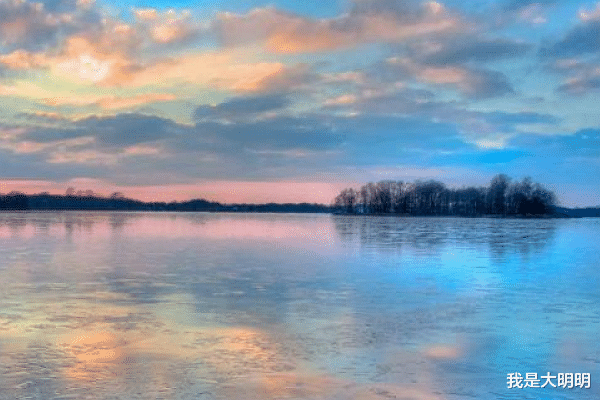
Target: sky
x=291, y=101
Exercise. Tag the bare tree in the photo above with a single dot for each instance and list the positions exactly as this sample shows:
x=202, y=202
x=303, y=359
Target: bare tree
x=434, y=198
x=117, y=195
x=497, y=194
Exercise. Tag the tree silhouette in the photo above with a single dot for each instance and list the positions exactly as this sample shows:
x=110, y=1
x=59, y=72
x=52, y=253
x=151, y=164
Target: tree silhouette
x=434, y=198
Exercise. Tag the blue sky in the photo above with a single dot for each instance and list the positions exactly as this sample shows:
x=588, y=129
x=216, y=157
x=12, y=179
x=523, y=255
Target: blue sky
x=283, y=101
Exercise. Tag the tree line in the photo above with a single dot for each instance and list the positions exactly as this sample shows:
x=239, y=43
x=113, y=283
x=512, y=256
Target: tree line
x=118, y=202
x=502, y=197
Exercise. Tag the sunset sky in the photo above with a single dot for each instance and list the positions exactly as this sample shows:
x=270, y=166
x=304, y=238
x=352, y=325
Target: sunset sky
x=293, y=100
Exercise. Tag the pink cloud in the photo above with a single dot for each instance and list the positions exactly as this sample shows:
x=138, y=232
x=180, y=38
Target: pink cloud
x=241, y=192
x=222, y=191
x=288, y=33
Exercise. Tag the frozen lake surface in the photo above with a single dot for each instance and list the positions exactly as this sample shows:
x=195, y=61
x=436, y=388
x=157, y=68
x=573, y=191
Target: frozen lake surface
x=248, y=306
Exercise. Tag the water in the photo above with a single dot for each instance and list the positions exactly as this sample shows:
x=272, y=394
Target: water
x=243, y=306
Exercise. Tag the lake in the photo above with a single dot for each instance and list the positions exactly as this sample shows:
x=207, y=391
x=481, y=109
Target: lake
x=100, y=305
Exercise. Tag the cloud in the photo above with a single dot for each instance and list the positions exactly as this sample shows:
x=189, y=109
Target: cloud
x=128, y=129
x=108, y=132
x=470, y=49
x=565, y=65
x=581, y=85
x=168, y=27
x=456, y=62
x=87, y=99
x=582, y=39
x=59, y=6
x=63, y=144
x=533, y=13
x=110, y=102
x=512, y=5
x=530, y=11
x=581, y=77
x=590, y=15
x=344, y=99
x=242, y=107
x=94, y=141
x=109, y=53
x=170, y=32
x=279, y=133
x=42, y=117
x=108, y=63
x=82, y=157
x=475, y=83
x=146, y=14
x=364, y=110
x=575, y=56
x=95, y=56
x=367, y=22
x=24, y=24
x=481, y=84
x=23, y=60
x=34, y=26
x=272, y=147
x=202, y=147
x=46, y=25
x=476, y=127
x=218, y=70
x=290, y=78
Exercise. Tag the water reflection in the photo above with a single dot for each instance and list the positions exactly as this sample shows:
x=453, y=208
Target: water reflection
x=224, y=306
x=502, y=236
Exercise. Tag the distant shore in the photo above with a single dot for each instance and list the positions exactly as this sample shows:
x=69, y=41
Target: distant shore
x=49, y=202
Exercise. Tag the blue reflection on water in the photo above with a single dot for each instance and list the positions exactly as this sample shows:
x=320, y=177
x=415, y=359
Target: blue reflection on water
x=295, y=306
